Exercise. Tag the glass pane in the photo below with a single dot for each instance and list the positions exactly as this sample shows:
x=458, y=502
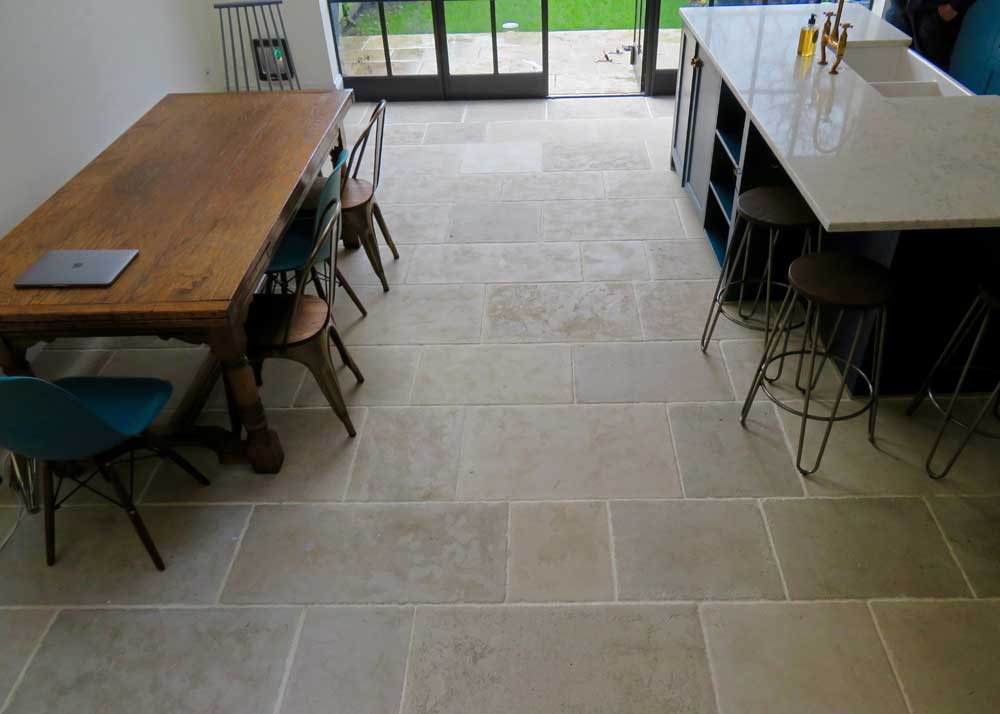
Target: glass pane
x=668, y=48
x=410, y=25
x=359, y=38
x=519, y=35
x=592, y=47
x=470, y=38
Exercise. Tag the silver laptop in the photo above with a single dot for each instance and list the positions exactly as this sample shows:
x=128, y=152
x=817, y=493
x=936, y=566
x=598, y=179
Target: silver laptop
x=76, y=268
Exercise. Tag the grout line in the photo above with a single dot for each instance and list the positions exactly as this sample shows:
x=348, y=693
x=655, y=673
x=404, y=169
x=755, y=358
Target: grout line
x=506, y=594
x=298, y=390
x=362, y=434
x=406, y=664
x=708, y=657
x=774, y=549
x=28, y=662
x=614, y=551
x=482, y=316
x=140, y=499
x=289, y=661
x=947, y=543
x=888, y=655
x=416, y=372
x=461, y=454
x=638, y=312
x=236, y=553
x=673, y=446
x=572, y=373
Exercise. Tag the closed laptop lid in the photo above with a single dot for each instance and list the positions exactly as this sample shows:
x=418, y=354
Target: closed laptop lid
x=76, y=268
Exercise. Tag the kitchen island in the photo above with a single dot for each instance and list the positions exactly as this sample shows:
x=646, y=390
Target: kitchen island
x=897, y=160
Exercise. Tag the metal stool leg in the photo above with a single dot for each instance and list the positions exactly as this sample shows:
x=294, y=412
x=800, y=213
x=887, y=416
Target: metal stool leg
x=722, y=286
x=883, y=316
x=770, y=348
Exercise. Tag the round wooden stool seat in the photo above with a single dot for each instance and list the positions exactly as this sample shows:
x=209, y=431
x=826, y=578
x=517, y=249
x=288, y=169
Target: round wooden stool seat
x=356, y=192
x=776, y=206
x=841, y=280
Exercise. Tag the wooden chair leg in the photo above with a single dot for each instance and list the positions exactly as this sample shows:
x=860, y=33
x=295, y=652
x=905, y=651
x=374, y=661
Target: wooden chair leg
x=370, y=244
x=339, y=277
x=345, y=356
x=315, y=355
x=49, y=509
x=385, y=231
x=109, y=473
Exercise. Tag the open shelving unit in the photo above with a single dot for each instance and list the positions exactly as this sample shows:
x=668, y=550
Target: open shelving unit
x=730, y=131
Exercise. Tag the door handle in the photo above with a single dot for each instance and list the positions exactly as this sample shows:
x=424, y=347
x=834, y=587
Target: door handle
x=696, y=61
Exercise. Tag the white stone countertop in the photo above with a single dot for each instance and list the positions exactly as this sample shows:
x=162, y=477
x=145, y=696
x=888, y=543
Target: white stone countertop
x=861, y=160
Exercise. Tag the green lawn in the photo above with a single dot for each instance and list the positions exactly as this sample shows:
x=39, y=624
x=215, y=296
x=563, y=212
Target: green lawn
x=407, y=18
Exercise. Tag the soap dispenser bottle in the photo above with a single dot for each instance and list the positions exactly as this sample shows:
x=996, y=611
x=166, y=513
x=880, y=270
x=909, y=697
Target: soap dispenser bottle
x=807, y=38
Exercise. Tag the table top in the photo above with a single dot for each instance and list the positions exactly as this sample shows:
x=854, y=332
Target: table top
x=202, y=185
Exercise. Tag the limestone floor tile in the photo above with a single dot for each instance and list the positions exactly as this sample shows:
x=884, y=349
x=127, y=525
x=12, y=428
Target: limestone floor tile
x=692, y=221
x=788, y=658
x=160, y=662
x=661, y=106
x=861, y=548
x=653, y=183
x=685, y=550
x=413, y=314
x=56, y=363
x=719, y=458
x=619, y=219
x=359, y=113
x=20, y=631
x=659, y=153
x=375, y=553
x=514, y=157
x=424, y=112
x=100, y=560
x=640, y=659
x=388, y=373
x=682, y=259
x=443, y=189
x=318, y=457
x=610, y=129
x=494, y=374
x=947, y=654
x=625, y=260
x=417, y=223
x=597, y=107
x=455, y=133
x=282, y=380
x=495, y=222
x=422, y=163
x=567, y=312
x=349, y=661
x=179, y=367
x=552, y=186
x=394, y=134
x=496, y=263
x=560, y=552
x=574, y=451
x=970, y=525
x=408, y=454
x=567, y=131
x=649, y=372
x=356, y=267
x=676, y=310
x=743, y=358
x=505, y=110
x=594, y=155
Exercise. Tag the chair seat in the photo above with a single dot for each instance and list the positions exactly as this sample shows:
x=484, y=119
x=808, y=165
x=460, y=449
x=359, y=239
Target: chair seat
x=127, y=405
x=296, y=244
x=269, y=314
x=356, y=192
x=841, y=280
x=776, y=206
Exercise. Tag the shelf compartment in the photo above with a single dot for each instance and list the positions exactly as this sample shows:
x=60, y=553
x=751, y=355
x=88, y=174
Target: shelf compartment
x=716, y=228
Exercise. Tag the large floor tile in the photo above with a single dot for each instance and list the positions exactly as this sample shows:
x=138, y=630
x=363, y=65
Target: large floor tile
x=567, y=452
x=560, y=552
x=496, y=263
x=413, y=315
x=388, y=373
x=318, y=457
x=682, y=260
x=393, y=134
x=570, y=131
x=652, y=183
x=100, y=560
x=282, y=381
x=594, y=155
x=661, y=106
x=505, y=110
x=160, y=662
x=422, y=163
x=494, y=374
x=625, y=260
x=356, y=267
x=439, y=189
x=676, y=310
x=659, y=153
x=789, y=658
x=20, y=631
x=417, y=223
x=58, y=363
x=947, y=654
x=685, y=550
x=455, y=133
x=972, y=527
x=553, y=186
x=372, y=553
x=349, y=661
x=514, y=157
x=719, y=458
x=424, y=112
x=545, y=312
x=636, y=659
x=179, y=367
x=861, y=548
x=408, y=454
x=743, y=358
x=495, y=223
x=597, y=107
x=693, y=226
x=649, y=372
x=618, y=219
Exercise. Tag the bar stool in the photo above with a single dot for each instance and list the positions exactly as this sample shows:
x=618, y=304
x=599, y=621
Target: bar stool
x=986, y=303
x=775, y=208
x=848, y=284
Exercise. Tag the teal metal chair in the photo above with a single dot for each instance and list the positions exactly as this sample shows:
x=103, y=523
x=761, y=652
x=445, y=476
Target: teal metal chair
x=76, y=421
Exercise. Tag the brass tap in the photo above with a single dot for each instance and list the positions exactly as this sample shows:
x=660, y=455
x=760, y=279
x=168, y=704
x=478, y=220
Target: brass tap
x=841, y=47
x=834, y=36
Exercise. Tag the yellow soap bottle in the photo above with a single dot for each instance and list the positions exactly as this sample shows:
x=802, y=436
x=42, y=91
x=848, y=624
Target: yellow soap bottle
x=807, y=38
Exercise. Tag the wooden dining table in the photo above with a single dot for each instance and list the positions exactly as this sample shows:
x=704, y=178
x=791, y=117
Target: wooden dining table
x=203, y=186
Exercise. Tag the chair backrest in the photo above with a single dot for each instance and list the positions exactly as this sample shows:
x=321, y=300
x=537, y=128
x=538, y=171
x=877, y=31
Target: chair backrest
x=372, y=134
x=254, y=43
x=43, y=421
x=331, y=189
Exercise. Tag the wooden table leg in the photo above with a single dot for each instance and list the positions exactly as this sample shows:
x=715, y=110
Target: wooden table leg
x=263, y=447
x=13, y=360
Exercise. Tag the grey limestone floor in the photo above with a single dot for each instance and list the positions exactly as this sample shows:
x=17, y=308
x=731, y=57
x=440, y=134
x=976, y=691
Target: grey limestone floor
x=550, y=505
